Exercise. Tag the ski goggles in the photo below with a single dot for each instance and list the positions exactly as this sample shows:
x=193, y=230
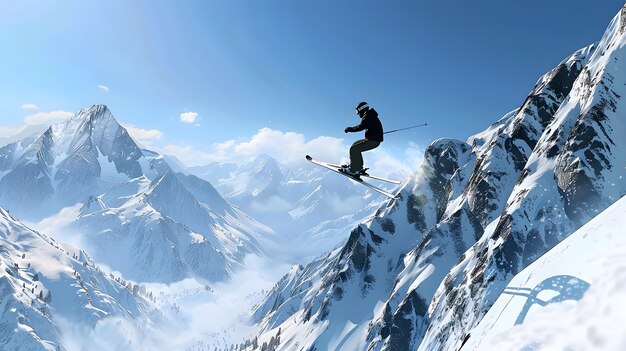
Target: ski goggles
x=359, y=109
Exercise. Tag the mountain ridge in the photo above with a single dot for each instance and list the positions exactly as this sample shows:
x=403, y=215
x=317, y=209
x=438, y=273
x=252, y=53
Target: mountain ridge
x=422, y=272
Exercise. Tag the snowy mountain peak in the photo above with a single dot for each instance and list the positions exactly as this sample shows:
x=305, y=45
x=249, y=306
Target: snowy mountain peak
x=72, y=133
x=94, y=114
x=96, y=111
x=72, y=160
x=265, y=166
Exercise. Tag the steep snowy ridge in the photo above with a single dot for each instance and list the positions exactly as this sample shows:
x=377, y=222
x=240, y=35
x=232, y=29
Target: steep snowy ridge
x=424, y=271
x=500, y=158
x=575, y=172
x=95, y=132
x=42, y=281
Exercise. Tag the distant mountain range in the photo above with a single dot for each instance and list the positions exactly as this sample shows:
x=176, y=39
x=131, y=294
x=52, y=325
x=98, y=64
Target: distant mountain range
x=309, y=207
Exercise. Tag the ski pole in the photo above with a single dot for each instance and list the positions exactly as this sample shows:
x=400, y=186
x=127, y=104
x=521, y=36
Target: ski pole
x=397, y=130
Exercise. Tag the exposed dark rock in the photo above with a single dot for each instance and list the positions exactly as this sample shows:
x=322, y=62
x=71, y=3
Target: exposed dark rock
x=386, y=225
x=415, y=215
x=403, y=327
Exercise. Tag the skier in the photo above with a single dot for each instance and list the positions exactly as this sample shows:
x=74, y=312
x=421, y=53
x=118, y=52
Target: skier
x=373, y=137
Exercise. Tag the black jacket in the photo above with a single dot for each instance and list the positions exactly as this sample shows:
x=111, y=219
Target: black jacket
x=371, y=124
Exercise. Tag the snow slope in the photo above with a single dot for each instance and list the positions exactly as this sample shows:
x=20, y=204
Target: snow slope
x=42, y=281
x=570, y=298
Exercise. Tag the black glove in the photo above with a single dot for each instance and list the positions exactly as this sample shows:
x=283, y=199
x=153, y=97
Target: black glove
x=348, y=129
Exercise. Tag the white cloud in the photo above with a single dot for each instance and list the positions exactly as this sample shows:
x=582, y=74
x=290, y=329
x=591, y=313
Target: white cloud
x=8, y=131
x=274, y=204
x=30, y=107
x=188, y=154
x=190, y=314
x=103, y=87
x=289, y=149
x=188, y=117
x=33, y=123
x=57, y=225
x=144, y=136
x=396, y=164
x=47, y=117
x=54, y=224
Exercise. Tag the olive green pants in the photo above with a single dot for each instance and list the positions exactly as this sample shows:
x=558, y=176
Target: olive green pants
x=359, y=146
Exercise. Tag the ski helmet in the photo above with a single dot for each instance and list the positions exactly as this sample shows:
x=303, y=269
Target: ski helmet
x=361, y=108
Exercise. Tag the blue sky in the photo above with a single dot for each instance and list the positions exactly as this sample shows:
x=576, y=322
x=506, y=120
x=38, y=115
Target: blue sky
x=237, y=67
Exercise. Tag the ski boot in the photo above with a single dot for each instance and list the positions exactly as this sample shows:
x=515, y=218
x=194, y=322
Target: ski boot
x=362, y=172
x=346, y=169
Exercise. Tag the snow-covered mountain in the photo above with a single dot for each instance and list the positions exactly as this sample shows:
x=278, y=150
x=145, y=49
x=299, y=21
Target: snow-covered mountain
x=70, y=161
x=424, y=271
x=310, y=207
x=44, y=282
x=259, y=179
x=135, y=213
x=169, y=228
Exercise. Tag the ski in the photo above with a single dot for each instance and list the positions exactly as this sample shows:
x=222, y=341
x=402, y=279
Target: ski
x=336, y=168
x=367, y=175
x=381, y=179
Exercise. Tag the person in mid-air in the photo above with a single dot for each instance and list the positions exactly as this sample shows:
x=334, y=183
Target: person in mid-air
x=373, y=137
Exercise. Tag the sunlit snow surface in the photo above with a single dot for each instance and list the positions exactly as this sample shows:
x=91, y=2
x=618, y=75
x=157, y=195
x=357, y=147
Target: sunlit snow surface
x=572, y=298
x=43, y=282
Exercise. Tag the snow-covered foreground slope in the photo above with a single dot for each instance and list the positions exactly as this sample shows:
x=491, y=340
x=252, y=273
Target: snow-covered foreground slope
x=131, y=210
x=53, y=297
x=427, y=267
x=44, y=284
x=570, y=298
